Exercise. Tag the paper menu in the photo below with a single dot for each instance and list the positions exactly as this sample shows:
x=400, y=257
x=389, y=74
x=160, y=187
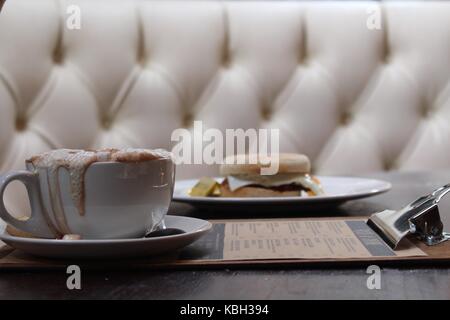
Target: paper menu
x=305, y=239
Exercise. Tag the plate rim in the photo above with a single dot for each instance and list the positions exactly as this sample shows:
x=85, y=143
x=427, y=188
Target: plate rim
x=344, y=197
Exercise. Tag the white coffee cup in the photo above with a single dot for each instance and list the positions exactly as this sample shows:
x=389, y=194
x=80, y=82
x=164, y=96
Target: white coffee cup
x=121, y=200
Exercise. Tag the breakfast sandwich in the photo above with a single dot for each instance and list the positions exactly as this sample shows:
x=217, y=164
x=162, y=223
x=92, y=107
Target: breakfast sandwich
x=242, y=178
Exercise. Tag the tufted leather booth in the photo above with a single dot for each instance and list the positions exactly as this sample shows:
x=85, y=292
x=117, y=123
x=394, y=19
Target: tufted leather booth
x=352, y=98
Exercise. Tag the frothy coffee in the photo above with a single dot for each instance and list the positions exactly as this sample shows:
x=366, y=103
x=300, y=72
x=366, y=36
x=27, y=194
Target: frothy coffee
x=77, y=162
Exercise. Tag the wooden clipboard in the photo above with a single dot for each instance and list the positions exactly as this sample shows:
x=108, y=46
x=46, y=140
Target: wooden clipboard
x=204, y=255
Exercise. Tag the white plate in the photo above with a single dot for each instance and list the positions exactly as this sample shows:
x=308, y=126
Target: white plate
x=337, y=190
x=115, y=248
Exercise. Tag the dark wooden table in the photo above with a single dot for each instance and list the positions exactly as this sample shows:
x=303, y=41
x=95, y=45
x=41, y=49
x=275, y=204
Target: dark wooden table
x=349, y=283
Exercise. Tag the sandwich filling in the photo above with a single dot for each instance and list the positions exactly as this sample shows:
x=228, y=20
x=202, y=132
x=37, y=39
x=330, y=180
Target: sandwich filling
x=292, y=181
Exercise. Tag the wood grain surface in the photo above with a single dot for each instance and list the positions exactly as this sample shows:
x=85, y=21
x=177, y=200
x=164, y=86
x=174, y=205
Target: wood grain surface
x=310, y=282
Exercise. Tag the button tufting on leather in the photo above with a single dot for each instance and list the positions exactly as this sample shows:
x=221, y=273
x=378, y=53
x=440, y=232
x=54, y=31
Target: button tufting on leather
x=107, y=122
x=266, y=114
x=187, y=120
x=346, y=118
x=21, y=123
x=310, y=59
x=58, y=55
x=226, y=60
x=425, y=111
x=390, y=165
x=142, y=61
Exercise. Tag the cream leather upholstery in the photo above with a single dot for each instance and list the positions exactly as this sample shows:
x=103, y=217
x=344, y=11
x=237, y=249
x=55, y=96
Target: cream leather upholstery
x=353, y=99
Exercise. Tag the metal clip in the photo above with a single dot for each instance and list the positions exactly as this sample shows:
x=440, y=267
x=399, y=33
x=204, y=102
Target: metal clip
x=420, y=217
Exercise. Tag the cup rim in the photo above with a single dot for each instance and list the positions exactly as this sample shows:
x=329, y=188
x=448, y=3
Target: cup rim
x=104, y=163
x=98, y=163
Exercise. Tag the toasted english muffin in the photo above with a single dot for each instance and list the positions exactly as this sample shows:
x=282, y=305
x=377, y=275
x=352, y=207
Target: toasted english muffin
x=244, y=178
x=242, y=164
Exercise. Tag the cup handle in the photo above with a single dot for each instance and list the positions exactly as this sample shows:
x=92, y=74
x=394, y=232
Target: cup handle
x=37, y=224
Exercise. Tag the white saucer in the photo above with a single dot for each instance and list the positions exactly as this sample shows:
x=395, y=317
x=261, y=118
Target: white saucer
x=337, y=190
x=115, y=248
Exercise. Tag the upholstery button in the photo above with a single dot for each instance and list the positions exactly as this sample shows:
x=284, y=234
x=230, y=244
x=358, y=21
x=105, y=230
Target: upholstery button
x=21, y=123
x=425, y=111
x=226, y=63
x=389, y=165
x=387, y=56
x=188, y=118
x=266, y=114
x=346, y=118
x=107, y=122
x=226, y=58
x=226, y=54
x=58, y=55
